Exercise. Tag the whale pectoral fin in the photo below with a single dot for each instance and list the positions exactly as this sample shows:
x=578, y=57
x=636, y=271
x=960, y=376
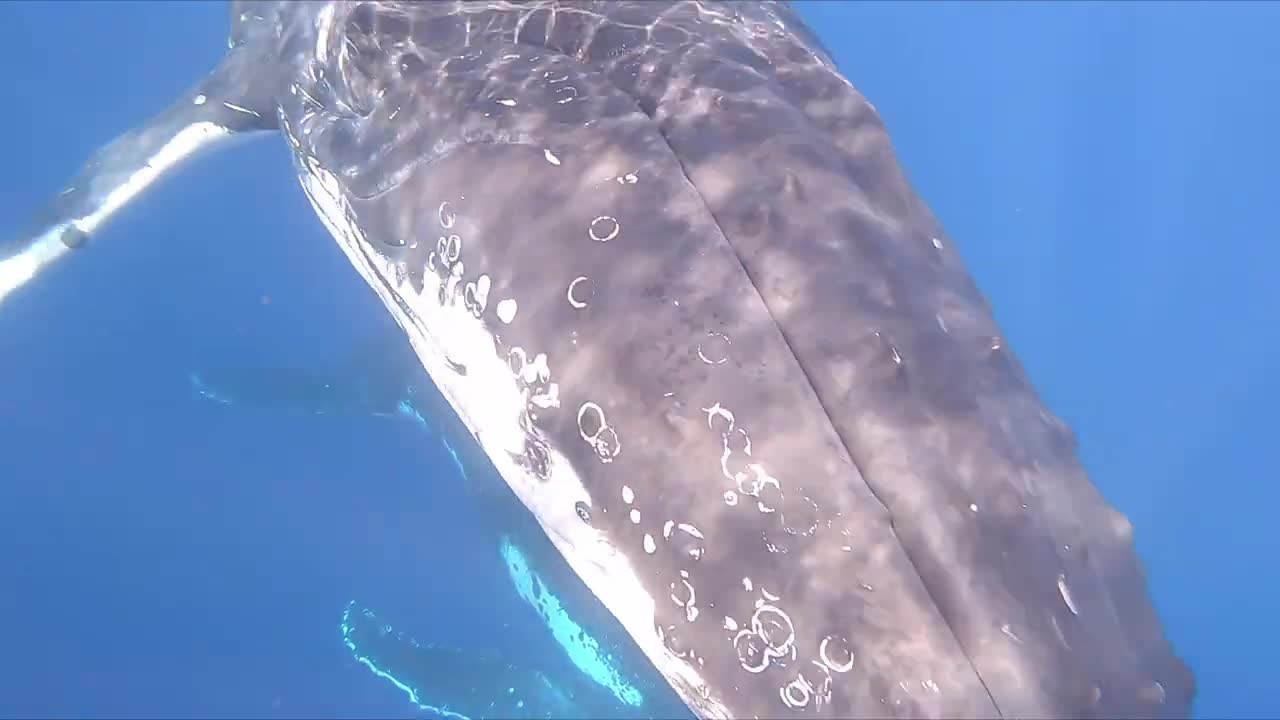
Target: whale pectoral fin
x=234, y=99
x=452, y=682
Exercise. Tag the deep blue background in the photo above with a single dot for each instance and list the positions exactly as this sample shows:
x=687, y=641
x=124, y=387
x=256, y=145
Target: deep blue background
x=1109, y=172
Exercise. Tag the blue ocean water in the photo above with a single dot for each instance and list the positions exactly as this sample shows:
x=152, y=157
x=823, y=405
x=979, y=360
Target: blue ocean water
x=1106, y=169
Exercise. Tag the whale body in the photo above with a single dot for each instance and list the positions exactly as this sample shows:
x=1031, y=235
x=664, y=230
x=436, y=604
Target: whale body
x=663, y=267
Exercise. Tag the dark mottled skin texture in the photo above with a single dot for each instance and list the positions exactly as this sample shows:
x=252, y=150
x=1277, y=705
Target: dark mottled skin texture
x=889, y=479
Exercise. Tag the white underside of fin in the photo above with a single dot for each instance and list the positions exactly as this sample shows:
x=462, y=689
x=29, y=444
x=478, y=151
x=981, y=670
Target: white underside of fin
x=43, y=251
x=184, y=145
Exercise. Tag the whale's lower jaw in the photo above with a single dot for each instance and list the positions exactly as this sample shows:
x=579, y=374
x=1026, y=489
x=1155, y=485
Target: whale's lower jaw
x=488, y=402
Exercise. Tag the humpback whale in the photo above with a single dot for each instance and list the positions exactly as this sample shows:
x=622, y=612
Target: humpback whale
x=661, y=262
x=382, y=379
